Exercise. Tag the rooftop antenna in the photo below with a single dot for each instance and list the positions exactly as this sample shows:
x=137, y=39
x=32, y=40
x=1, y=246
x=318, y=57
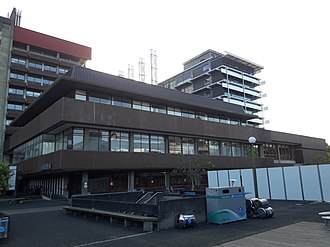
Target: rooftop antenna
x=153, y=63
x=142, y=70
x=130, y=72
x=18, y=18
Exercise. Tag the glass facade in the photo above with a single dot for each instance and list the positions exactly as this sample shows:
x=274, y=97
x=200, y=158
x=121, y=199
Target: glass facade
x=119, y=141
x=146, y=106
x=90, y=139
x=188, y=145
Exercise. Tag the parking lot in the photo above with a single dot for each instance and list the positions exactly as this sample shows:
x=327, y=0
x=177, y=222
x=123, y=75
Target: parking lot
x=44, y=223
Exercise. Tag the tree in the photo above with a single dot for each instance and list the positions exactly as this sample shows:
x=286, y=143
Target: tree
x=194, y=167
x=4, y=176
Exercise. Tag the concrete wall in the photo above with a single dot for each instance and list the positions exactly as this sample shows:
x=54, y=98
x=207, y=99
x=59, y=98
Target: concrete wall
x=168, y=210
x=6, y=35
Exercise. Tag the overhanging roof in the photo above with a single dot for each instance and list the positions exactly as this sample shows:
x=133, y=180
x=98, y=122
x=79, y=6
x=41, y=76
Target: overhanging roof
x=87, y=79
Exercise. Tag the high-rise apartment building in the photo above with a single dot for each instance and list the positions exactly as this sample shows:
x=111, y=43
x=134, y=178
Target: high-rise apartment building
x=29, y=63
x=225, y=77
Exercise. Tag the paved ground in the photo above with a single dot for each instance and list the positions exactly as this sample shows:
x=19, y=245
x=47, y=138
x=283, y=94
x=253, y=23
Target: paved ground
x=44, y=223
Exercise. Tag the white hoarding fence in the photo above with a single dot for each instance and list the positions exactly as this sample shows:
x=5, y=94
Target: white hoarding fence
x=307, y=182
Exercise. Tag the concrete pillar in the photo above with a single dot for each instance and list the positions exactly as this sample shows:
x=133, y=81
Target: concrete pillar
x=84, y=183
x=130, y=180
x=6, y=38
x=167, y=181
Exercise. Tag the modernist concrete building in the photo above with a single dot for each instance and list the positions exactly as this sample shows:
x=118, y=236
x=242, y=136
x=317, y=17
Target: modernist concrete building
x=30, y=62
x=225, y=77
x=95, y=132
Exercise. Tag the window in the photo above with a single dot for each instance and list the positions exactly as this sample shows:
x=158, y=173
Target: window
x=174, y=145
x=93, y=141
x=59, y=141
x=139, y=105
x=188, y=145
x=188, y=114
x=48, y=144
x=62, y=71
x=17, y=60
x=158, y=108
x=33, y=94
x=270, y=151
x=16, y=91
x=35, y=79
x=80, y=95
x=15, y=107
x=8, y=121
x=78, y=139
x=157, y=144
x=225, y=149
x=236, y=149
x=202, y=147
x=200, y=115
x=141, y=143
x=35, y=64
x=174, y=111
x=104, y=140
x=119, y=141
x=188, y=89
x=17, y=76
x=214, y=148
x=100, y=99
x=47, y=81
x=116, y=101
x=50, y=68
x=213, y=118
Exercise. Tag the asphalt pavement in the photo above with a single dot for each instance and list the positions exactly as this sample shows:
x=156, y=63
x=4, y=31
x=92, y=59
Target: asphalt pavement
x=44, y=223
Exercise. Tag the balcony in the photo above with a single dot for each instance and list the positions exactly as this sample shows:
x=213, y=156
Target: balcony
x=241, y=89
x=239, y=75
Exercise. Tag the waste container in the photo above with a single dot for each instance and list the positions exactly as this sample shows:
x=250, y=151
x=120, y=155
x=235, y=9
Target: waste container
x=4, y=225
x=225, y=204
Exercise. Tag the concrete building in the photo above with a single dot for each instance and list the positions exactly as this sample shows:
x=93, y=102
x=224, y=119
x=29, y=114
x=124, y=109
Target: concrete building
x=29, y=63
x=94, y=132
x=225, y=77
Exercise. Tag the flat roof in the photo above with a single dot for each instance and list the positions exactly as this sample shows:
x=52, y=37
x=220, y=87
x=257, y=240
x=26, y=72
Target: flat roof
x=254, y=66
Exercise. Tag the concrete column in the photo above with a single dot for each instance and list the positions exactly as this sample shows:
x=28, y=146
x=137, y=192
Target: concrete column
x=130, y=180
x=167, y=181
x=84, y=183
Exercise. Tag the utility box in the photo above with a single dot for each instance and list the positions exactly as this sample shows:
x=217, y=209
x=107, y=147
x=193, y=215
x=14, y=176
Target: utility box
x=225, y=204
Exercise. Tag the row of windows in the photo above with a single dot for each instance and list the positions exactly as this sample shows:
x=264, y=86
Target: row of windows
x=31, y=78
x=146, y=106
x=38, y=65
x=45, y=52
x=122, y=141
x=23, y=92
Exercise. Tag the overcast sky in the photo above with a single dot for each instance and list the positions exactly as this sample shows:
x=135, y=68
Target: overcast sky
x=289, y=38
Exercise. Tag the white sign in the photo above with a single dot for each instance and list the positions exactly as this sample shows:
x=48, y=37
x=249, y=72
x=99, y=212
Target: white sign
x=12, y=179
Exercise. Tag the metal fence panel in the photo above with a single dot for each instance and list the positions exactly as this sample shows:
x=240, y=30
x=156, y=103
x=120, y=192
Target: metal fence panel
x=276, y=183
x=247, y=182
x=325, y=181
x=263, y=185
x=212, y=177
x=223, y=178
x=311, y=182
x=292, y=183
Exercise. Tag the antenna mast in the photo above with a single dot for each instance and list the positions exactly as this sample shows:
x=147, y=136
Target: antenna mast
x=153, y=63
x=142, y=70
